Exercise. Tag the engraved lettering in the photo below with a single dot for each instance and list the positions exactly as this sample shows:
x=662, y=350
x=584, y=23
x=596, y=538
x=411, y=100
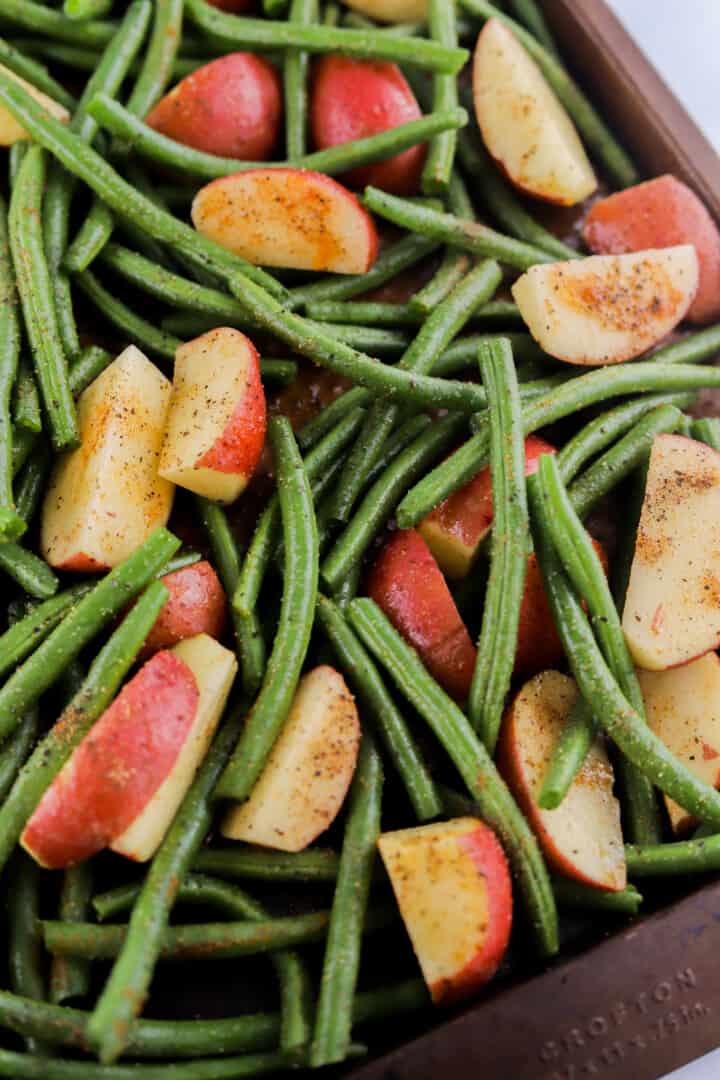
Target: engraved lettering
x=619, y=1013
x=573, y=1038
x=662, y=992
x=686, y=979
x=597, y=1026
x=613, y=1054
x=550, y=1052
x=641, y=1003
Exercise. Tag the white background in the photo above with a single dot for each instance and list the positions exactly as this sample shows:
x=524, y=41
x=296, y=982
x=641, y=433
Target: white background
x=682, y=38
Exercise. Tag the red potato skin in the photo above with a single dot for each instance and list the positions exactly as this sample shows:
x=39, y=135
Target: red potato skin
x=656, y=214
x=486, y=853
x=538, y=643
x=118, y=766
x=230, y=107
x=468, y=512
x=352, y=99
x=407, y=583
x=239, y=447
x=196, y=605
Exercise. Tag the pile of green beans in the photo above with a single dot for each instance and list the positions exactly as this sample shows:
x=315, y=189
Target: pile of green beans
x=385, y=392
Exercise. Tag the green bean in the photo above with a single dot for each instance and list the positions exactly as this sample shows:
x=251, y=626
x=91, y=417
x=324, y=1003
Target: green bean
x=332, y=161
x=680, y=857
x=70, y=976
x=593, y=129
x=26, y=402
x=510, y=548
x=315, y=864
x=309, y=340
x=453, y=267
x=622, y=458
x=379, y=502
x=91, y=167
x=570, y=894
x=333, y=1022
x=195, y=1038
x=133, y=326
x=23, y=444
x=330, y=415
x=80, y=624
x=26, y=1067
x=34, y=73
x=373, y=44
x=207, y=891
x=389, y=263
x=472, y=761
x=38, y=19
x=316, y=464
x=463, y=352
x=596, y=683
x=577, y=393
x=104, y=677
x=374, y=341
x=87, y=9
x=435, y=334
x=388, y=720
x=15, y=155
x=295, y=76
x=707, y=430
x=25, y=952
x=441, y=151
x=605, y=429
x=296, y=617
x=35, y=288
x=86, y=367
x=81, y=59
x=246, y=627
x=32, y=484
x=467, y=235
x=530, y=14
x=15, y=750
x=124, y=993
x=280, y=372
x=692, y=349
x=582, y=564
x=568, y=754
x=375, y=313
x=29, y=571
x=11, y=525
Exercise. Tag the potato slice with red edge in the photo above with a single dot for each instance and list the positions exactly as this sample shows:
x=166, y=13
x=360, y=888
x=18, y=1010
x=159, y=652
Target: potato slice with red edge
x=352, y=99
x=582, y=838
x=607, y=308
x=231, y=107
x=214, y=668
x=682, y=706
x=292, y=218
x=391, y=11
x=456, y=527
x=672, y=611
x=655, y=214
x=196, y=605
x=308, y=773
x=113, y=774
x=11, y=131
x=453, y=888
x=216, y=422
x=105, y=498
x=523, y=125
x=407, y=583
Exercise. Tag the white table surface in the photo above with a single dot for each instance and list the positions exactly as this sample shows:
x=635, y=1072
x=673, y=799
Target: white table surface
x=682, y=38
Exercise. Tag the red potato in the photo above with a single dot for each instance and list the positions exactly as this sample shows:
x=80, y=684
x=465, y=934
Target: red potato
x=117, y=768
x=196, y=605
x=605, y=309
x=352, y=99
x=660, y=213
x=105, y=498
x=213, y=668
x=216, y=422
x=230, y=107
x=453, y=888
x=682, y=706
x=407, y=583
x=11, y=131
x=304, y=783
x=582, y=838
x=455, y=529
x=392, y=11
x=292, y=218
x=671, y=606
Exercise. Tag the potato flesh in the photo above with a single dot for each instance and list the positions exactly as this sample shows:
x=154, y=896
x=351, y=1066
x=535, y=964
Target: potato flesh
x=607, y=308
x=672, y=606
x=391, y=11
x=307, y=775
x=214, y=668
x=105, y=498
x=523, y=124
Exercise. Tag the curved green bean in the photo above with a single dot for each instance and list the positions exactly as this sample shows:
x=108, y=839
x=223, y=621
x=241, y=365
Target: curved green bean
x=135, y=328
x=11, y=524
x=29, y=571
x=41, y=19
x=86, y=367
x=568, y=755
x=680, y=857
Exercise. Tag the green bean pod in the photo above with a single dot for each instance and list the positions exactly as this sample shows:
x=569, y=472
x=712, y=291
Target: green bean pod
x=25, y=953
x=70, y=976
x=672, y=860
x=34, y=73
x=441, y=152
x=11, y=525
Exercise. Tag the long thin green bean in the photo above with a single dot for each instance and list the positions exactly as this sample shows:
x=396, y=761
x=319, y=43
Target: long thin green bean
x=33, y=72
x=681, y=857
x=133, y=326
x=11, y=525
x=568, y=755
x=25, y=635
x=70, y=976
x=295, y=75
x=40, y=19
x=15, y=750
x=25, y=953
x=441, y=152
